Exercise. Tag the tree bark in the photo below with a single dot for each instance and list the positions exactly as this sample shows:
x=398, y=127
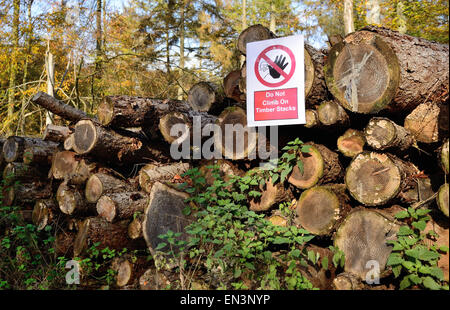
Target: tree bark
x=375, y=179
x=376, y=69
x=14, y=147
x=321, y=209
x=23, y=172
x=121, y=205
x=26, y=192
x=13, y=64
x=59, y=108
x=231, y=86
x=423, y=122
x=383, y=134
x=320, y=165
x=315, y=87
x=351, y=143
x=40, y=155
x=100, y=184
x=150, y=173
x=361, y=247
x=349, y=25
x=43, y=212
x=56, y=133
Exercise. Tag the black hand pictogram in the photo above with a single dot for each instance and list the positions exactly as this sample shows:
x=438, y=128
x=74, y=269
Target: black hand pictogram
x=279, y=61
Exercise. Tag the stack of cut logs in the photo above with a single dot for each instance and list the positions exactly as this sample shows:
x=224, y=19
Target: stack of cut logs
x=376, y=105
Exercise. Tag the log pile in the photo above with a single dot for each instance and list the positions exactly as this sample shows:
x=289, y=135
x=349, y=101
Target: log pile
x=378, y=138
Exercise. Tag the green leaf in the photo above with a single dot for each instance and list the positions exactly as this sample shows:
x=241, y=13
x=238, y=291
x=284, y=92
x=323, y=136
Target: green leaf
x=443, y=248
x=325, y=263
x=402, y=215
x=408, y=265
x=275, y=178
x=312, y=256
x=405, y=231
x=405, y=283
x=161, y=245
x=280, y=240
x=394, y=260
x=429, y=283
x=419, y=225
x=397, y=270
x=186, y=210
x=428, y=255
x=433, y=271
x=300, y=166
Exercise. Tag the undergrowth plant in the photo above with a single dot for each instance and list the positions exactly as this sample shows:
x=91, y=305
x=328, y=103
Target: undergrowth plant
x=414, y=262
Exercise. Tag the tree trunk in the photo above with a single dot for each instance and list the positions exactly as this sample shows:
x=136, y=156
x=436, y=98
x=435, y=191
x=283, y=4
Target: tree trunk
x=206, y=97
x=349, y=25
x=59, y=108
x=331, y=113
x=442, y=199
x=14, y=147
x=320, y=165
x=423, y=122
x=150, y=173
x=376, y=69
x=362, y=237
x=115, y=147
x=56, y=133
x=13, y=64
x=373, y=14
x=321, y=209
x=236, y=141
x=100, y=184
x=351, y=143
x=271, y=195
x=71, y=200
x=121, y=205
x=375, y=179
x=164, y=213
x=383, y=134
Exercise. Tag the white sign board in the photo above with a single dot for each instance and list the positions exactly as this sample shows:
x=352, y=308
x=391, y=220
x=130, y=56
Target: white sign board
x=276, y=82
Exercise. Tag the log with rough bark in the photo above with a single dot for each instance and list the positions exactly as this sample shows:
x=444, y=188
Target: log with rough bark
x=98, y=230
x=150, y=173
x=423, y=123
x=100, y=184
x=128, y=111
x=375, y=179
x=171, y=119
x=320, y=165
x=116, y=147
x=206, y=97
x=351, y=143
x=271, y=194
x=2, y=141
x=44, y=212
x=443, y=157
x=231, y=86
x=121, y=205
x=442, y=198
x=26, y=192
x=236, y=141
x=315, y=86
x=362, y=237
x=331, y=113
x=56, y=133
x=164, y=213
x=58, y=107
x=383, y=134
x=376, y=68
x=321, y=209
x=71, y=200
x=22, y=172
x=14, y=147
x=40, y=155
x=67, y=165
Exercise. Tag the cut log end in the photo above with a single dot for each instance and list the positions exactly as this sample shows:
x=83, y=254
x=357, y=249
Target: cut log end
x=270, y=196
x=85, y=137
x=318, y=210
x=382, y=133
x=442, y=198
x=252, y=34
x=135, y=228
x=106, y=208
x=168, y=121
x=351, y=143
x=363, y=238
x=56, y=133
x=313, y=166
x=69, y=142
x=63, y=164
x=201, y=97
x=105, y=111
x=331, y=113
x=68, y=200
x=124, y=271
x=41, y=215
x=312, y=119
x=11, y=149
x=373, y=178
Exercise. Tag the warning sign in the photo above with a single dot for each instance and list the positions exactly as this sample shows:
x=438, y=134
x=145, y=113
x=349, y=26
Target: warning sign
x=275, y=82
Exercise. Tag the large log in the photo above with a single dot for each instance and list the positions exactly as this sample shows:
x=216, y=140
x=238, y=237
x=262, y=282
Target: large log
x=376, y=68
x=321, y=209
x=150, y=173
x=56, y=133
x=383, y=134
x=362, y=237
x=22, y=172
x=375, y=179
x=236, y=141
x=117, y=148
x=206, y=97
x=252, y=34
x=71, y=200
x=351, y=143
x=57, y=107
x=14, y=147
x=40, y=155
x=100, y=184
x=320, y=165
x=121, y=205
x=26, y=192
x=164, y=213
x=331, y=113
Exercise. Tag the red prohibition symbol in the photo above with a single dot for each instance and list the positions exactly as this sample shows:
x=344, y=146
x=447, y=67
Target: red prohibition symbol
x=263, y=55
